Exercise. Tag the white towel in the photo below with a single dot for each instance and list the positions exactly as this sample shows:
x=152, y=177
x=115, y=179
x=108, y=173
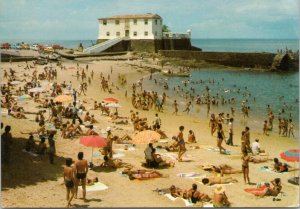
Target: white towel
x=170, y=197
x=187, y=202
x=98, y=186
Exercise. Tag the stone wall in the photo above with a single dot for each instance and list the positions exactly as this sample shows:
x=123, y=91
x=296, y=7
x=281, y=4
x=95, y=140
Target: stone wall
x=234, y=59
x=147, y=45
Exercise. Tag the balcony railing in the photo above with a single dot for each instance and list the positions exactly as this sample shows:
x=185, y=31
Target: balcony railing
x=171, y=35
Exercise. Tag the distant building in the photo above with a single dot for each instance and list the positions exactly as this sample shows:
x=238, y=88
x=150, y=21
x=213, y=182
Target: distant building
x=138, y=27
x=138, y=32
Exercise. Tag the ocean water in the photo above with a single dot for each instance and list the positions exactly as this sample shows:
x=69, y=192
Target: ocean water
x=279, y=90
x=246, y=45
x=226, y=45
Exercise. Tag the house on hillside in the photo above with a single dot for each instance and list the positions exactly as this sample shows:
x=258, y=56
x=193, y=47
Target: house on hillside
x=137, y=32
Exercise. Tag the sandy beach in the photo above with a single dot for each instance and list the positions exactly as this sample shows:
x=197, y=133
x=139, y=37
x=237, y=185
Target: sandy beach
x=33, y=182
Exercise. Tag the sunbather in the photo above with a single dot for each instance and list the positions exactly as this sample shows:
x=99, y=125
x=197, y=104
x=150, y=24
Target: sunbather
x=175, y=191
x=272, y=189
x=218, y=180
x=194, y=195
x=142, y=174
x=115, y=163
x=222, y=169
x=158, y=159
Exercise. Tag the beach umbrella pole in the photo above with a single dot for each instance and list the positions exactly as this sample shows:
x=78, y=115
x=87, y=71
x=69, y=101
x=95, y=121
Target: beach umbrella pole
x=92, y=153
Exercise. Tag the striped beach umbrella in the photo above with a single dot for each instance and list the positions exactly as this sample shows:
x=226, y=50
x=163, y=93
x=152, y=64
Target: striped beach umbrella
x=291, y=155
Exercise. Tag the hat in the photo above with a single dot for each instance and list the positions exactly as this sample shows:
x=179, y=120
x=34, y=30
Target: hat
x=108, y=129
x=219, y=189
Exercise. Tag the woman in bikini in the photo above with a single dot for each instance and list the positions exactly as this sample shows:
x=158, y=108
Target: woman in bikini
x=245, y=167
x=181, y=143
x=69, y=178
x=194, y=195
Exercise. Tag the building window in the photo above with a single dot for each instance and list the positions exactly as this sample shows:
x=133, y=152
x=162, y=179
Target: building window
x=155, y=21
x=135, y=21
x=155, y=33
x=134, y=33
x=104, y=22
x=146, y=33
x=117, y=22
x=118, y=33
x=146, y=21
x=107, y=33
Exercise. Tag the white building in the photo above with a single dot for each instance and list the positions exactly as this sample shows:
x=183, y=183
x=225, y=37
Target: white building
x=134, y=27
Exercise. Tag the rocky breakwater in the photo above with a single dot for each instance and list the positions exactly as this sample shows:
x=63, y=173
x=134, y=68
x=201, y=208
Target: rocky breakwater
x=236, y=59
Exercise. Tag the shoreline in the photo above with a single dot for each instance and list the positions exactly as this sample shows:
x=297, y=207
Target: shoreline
x=46, y=180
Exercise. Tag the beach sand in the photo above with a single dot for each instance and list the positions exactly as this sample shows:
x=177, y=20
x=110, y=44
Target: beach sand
x=33, y=182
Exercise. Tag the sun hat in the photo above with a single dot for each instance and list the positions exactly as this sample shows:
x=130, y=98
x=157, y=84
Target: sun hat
x=219, y=189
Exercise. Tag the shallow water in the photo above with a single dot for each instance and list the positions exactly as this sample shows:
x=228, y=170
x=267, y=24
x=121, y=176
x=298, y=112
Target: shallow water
x=279, y=90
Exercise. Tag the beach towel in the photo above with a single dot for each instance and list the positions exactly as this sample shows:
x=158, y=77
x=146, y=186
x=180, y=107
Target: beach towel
x=30, y=153
x=173, y=156
x=123, y=150
x=188, y=175
x=98, y=186
x=257, y=191
x=226, y=152
x=169, y=196
x=267, y=169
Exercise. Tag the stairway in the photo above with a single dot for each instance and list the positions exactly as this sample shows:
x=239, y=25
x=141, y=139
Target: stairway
x=102, y=46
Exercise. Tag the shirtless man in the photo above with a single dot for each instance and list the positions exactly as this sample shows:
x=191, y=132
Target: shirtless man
x=222, y=169
x=218, y=180
x=195, y=195
x=81, y=170
x=69, y=179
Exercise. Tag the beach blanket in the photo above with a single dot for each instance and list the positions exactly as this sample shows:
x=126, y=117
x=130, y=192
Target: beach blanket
x=270, y=170
x=226, y=152
x=123, y=150
x=169, y=196
x=256, y=191
x=30, y=153
x=98, y=186
x=189, y=175
x=173, y=156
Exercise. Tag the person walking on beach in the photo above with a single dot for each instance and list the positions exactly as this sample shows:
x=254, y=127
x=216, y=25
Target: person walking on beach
x=245, y=167
x=221, y=137
x=82, y=89
x=175, y=105
x=230, y=132
x=81, y=170
x=51, y=150
x=188, y=107
x=69, y=179
x=156, y=122
x=181, y=143
x=6, y=141
x=291, y=128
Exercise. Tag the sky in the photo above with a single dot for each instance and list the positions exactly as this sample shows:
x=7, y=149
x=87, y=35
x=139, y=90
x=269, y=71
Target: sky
x=77, y=19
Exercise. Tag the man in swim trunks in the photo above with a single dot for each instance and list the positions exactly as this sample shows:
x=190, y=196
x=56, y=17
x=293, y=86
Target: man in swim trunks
x=81, y=169
x=69, y=179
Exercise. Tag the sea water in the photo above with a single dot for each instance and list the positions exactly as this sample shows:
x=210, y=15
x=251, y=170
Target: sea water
x=257, y=89
x=221, y=45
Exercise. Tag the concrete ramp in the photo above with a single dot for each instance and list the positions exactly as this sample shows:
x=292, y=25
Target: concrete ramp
x=102, y=46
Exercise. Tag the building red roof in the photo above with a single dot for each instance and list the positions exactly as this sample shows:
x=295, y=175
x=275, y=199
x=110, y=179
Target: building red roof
x=137, y=16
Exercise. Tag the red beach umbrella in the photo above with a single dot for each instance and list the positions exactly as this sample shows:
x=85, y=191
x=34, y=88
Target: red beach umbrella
x=93, y=141
x=110, y=99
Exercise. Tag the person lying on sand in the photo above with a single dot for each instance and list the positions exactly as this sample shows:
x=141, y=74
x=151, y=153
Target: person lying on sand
x=115, y=163
x=218, y=180
x=90, y=131
x=142, y=174
x=259, y=159
x=194, y=195
x=175, y=191
x=282, y=167
x=159, y=161
x=222, y=169
x=16, y=114
x=90, y=182
x=267, y=189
